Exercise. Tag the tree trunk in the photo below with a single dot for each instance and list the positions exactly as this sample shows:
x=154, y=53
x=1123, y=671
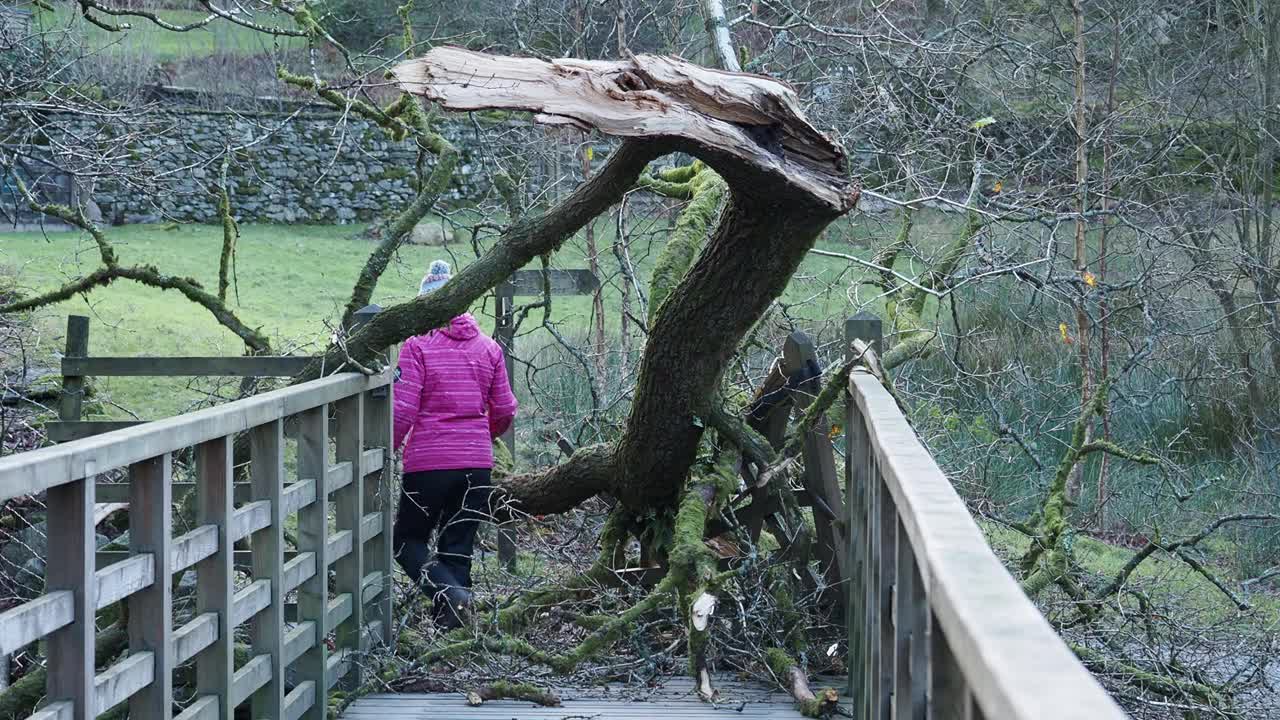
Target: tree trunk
x=787, y=182
x=1081, y=258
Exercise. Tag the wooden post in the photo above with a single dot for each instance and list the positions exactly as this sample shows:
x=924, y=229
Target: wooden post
x=313, y=537
x=215, y=577
x=885, y=556
x=506, y=336
x=948, y=693
x=858, y=479
x=820, y=479
x=151, y=609
x=70, y=566
x=349, y=507
x=379, y=492
x=72, y=401
x=266, y=467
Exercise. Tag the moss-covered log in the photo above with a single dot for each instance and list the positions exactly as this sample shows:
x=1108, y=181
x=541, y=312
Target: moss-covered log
x=793, y=679
x=504, y=690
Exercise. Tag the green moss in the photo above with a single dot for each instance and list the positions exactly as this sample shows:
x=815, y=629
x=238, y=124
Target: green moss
x=706, y=191
x=394, y=172
x=779, y=662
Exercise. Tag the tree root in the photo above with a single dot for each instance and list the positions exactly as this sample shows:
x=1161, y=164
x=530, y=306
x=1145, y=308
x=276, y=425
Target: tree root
x=503, y=690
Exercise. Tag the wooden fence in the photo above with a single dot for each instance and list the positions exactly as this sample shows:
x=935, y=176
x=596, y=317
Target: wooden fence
x=346, y=468
x=937, y=626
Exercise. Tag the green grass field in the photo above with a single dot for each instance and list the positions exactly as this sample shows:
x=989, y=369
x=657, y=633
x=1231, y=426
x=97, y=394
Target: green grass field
x=145, y=38
x=292, y=282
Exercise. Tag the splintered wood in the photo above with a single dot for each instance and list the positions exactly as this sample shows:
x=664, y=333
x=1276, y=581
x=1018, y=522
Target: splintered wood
x=746, y=118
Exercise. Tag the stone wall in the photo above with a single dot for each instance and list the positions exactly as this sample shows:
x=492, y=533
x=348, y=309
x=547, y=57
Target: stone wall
x=299, y=168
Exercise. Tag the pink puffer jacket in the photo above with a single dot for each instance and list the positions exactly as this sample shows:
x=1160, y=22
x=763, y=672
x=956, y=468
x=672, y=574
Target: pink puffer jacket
x=452, y=398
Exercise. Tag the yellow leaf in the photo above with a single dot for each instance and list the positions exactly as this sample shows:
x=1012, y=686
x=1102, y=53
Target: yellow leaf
x=998, y=186
x=1089, y=279
x=590, y=153
x=1062, y=328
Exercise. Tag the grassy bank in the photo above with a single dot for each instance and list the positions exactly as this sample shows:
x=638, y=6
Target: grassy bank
x=146, y=39
x=291, y=283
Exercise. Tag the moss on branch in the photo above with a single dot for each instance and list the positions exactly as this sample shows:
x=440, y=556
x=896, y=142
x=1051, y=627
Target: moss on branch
x=705, y=191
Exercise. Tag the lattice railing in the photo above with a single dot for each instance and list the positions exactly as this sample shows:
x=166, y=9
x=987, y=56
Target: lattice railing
x=335, y=432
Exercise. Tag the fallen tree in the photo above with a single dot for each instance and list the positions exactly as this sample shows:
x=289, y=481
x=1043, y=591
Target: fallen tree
x=782, y=183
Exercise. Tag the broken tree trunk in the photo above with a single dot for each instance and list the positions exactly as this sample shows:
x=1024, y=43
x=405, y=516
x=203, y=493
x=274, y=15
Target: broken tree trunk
x=787, y=182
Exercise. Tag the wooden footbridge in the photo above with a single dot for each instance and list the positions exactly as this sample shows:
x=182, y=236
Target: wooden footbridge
x=937, y=626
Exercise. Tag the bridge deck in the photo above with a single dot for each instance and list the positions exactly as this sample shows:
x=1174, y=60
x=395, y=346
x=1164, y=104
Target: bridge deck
x=674, y=698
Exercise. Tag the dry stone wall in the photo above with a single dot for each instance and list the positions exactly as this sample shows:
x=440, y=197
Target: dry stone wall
x=299, y=168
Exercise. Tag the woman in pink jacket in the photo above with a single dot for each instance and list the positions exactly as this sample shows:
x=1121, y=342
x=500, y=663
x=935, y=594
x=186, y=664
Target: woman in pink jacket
x=452, y=398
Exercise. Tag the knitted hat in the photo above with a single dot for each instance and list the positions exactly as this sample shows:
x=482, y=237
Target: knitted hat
x=435, y=278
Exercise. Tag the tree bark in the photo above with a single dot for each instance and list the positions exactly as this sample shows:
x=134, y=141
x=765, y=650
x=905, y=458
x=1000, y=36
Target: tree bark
x=787, y=181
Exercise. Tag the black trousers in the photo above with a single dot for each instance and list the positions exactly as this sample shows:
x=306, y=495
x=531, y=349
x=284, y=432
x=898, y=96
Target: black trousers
x=451, y=503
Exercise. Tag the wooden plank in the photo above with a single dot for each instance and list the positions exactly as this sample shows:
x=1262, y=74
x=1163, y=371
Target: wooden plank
x=69, y=431
x=194, y=546
x=563, y=282
x=70, y=566
x=349, y=518
x=250, y=519
x=22, y=625
x=338, y=666
x=266, y=470
x=120, y=681
x=379, y=498
x=300, y=701
x=340, y=545
x=297, y=496
x=54, y=711
x=199, y=633
x=820, y=480
x=119, y=580
x=904, y=630
x=202, y=708
x=371, y=460
x=72, y=400
x=298, y=640
x=340, y=476
x=35, y=471
x=313, y=529
x=948, y=693
x=215, y=578
x=886, y=584
x=371, y=526
x=1016, y=665
x=340, y=609
x=505, y=335
x=112, y=492
x=151, y=608
x=235, y=366
x=298, y=570
x=250, y=678
x=249, y=601
x=865, y=327
x=372, y=586
x=104, y=510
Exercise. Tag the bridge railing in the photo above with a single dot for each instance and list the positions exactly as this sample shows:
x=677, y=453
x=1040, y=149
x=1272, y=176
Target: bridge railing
x=938, y=628
x=343, y=428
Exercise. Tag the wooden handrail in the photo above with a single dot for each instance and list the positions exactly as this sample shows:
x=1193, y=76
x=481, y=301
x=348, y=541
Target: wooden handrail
x=938, y=623
x=38, y=470
x=358, y=408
